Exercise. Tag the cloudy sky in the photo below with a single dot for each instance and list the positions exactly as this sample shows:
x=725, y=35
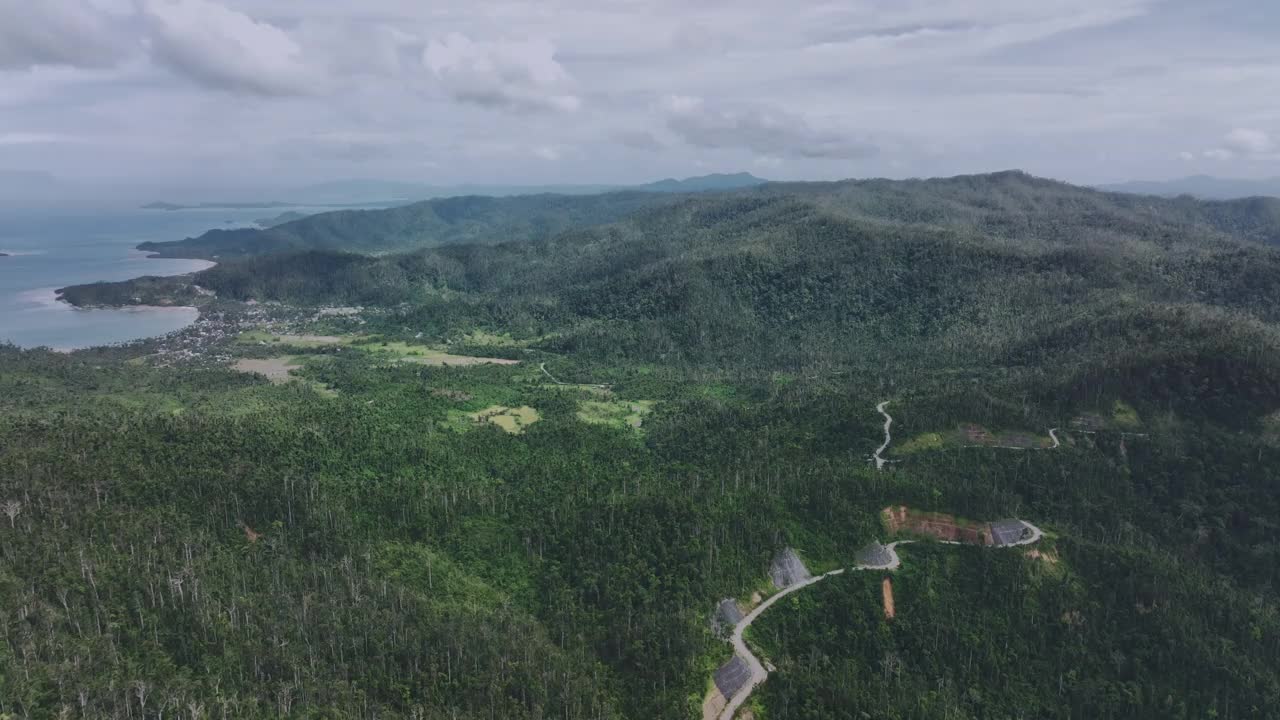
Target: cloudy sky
x=253, y=93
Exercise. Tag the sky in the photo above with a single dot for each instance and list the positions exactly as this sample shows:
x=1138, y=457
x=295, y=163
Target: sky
x=241, y=96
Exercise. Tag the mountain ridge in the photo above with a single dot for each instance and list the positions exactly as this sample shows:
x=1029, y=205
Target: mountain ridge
x=995, y=202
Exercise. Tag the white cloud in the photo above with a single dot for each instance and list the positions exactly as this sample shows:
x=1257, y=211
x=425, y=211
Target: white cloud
x=59, y=33
x=225, y=49
x=1244, y=143
x=546, y=152
x=519, y=76
x=1247, y=141
x=763, y=130
x=1185, y=155
x=35, y=138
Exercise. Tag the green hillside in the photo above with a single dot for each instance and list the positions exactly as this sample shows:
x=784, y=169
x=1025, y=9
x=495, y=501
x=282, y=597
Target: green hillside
x=467, y=219
x=696, y=377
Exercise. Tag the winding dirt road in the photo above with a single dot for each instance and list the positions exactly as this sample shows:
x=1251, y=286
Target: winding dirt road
x=888, y=420
x=740, y=648
x=555, y=380
x=758, y=671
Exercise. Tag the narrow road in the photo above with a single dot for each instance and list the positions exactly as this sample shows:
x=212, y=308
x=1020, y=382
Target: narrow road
x=888, y=420
x=554, y=379
x=740, y=648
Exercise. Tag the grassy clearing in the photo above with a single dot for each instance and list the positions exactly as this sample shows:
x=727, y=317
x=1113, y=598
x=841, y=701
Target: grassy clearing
x=920, y=443
x=618, y=413
x=489, y=339
x=1124, y=416
x=512, y=420
x=393, y=350
x=259, y=337
x=972, y=435
x=278, y=370
x=719, y=391
x=423, y=354
x=593, y=390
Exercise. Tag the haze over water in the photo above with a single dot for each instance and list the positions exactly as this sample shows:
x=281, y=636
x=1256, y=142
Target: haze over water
x=52, y=249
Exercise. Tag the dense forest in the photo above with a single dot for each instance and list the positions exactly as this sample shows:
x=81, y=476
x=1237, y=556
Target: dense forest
x=181, y=539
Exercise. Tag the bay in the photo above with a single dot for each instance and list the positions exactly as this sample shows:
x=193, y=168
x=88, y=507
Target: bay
x=53, y=249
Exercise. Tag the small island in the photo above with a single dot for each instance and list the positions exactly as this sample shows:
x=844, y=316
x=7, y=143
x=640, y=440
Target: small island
x=285, y=217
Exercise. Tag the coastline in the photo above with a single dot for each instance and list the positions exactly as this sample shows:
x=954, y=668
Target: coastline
x=127, y=323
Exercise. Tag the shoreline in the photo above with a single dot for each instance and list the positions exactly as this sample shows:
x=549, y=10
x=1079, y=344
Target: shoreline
x=51, y=299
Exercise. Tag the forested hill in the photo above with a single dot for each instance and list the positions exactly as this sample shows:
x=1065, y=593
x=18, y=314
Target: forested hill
x=1007, y=204
x=467, y=219
x=517, y=451
x=1004, y=269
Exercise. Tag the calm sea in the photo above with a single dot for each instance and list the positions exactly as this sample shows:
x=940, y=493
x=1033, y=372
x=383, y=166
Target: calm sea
x=48, y=250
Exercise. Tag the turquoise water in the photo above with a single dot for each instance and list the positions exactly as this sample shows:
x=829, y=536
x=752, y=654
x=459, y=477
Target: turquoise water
x=52, y=250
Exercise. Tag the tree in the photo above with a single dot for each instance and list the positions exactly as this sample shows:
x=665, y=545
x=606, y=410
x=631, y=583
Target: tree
x=11, y=508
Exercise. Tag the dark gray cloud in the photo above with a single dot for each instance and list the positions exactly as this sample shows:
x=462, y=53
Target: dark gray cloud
x=762, y=130
x=69, y=33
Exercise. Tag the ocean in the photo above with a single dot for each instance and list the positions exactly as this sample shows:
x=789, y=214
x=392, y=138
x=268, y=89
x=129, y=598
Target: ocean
x=51, y=249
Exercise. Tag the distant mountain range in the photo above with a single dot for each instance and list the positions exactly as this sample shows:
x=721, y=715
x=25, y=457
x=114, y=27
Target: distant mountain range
x=1200, y=186
x=366, y=193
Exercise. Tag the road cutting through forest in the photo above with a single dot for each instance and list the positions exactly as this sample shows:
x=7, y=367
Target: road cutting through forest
x=758, y=671
x=557, y=381
x=888, y=420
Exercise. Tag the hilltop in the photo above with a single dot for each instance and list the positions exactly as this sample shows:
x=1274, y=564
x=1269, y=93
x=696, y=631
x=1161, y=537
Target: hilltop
x=1004, y=204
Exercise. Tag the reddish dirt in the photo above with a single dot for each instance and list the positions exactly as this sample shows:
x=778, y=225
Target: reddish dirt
x=713, y=704
x=976, y=434
x=1048, y=557
x=939, y=526
x=249, y=534
x=886, y=591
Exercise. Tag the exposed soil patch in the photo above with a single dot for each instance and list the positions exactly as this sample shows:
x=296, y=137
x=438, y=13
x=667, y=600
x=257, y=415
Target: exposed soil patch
x=938, y=526
x=713, y=704
x=274, y=369
x=1049, y=557
x=250, y=534
x=976, y=435
x=886, y=593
